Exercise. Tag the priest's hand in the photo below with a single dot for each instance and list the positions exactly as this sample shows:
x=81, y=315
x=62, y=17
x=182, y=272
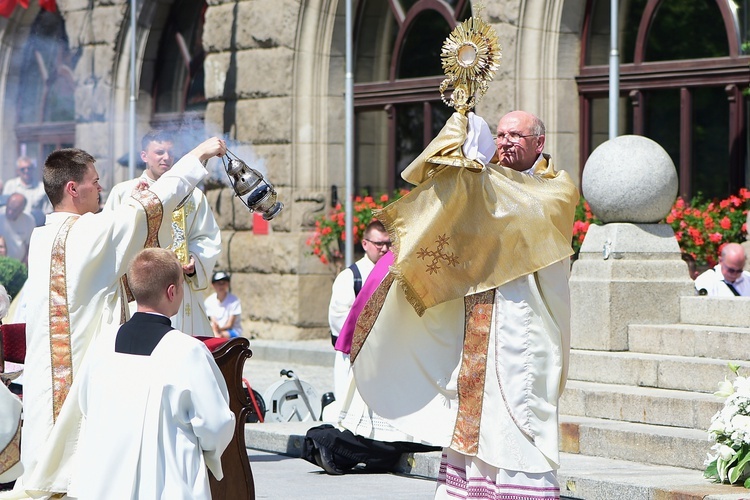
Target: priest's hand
x=141, y=185
x=189, y=268
x=210, y=148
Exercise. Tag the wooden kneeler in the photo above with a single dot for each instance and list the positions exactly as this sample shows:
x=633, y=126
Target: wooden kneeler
x=230, y=356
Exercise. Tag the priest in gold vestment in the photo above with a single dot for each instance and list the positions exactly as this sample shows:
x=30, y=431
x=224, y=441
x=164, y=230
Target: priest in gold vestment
x=76, y=261
x=195, y=236
x=465, y=343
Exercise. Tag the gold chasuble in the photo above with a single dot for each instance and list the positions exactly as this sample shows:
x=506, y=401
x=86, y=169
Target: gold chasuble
x=463, y=228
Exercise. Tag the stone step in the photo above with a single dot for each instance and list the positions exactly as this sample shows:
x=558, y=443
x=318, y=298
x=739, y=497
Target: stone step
x=718, y=342
x=650, y=370
x=715, y=311
x=646, y=443
x=644, y=405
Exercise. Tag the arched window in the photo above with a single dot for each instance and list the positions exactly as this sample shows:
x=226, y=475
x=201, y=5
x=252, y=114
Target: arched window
x=396, y=101
x=46, y=103
x=179, y=99
x=683, y=74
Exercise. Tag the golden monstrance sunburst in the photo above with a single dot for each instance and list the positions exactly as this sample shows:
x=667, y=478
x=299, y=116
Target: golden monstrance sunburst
x=470, y=57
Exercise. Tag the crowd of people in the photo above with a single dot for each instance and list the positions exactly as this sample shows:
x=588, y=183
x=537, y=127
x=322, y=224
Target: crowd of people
x=445, y=338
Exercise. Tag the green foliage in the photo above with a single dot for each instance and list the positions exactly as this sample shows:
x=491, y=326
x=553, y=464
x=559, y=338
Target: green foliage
x=12, y=275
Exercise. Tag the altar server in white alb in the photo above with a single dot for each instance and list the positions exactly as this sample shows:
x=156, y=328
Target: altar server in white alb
x=155, y=405
x=195, y=236
x=73, y=292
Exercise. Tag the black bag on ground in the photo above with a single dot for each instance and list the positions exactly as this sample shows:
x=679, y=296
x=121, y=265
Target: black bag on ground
x=340, y=451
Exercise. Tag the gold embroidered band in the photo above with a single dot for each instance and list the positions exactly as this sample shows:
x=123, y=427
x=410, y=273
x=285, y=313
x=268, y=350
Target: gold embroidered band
x=59, y=321
x=154, y=214
x=11, y=454
x=369, y=314
x=179, y=233
x=473, y=370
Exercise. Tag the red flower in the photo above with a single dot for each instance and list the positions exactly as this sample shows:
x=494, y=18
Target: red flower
x=725, y=223
x=715, y=237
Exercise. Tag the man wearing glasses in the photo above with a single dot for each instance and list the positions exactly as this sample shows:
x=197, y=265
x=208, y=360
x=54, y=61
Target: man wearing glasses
x=727, y=278
x=347, y=285
x=27, y=183
x=516, y=149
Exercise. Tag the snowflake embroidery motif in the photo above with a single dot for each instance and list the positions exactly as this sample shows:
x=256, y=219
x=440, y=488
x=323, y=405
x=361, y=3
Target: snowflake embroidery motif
x=438, y=255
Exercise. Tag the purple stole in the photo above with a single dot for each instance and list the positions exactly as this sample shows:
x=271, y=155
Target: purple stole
x=379, y=272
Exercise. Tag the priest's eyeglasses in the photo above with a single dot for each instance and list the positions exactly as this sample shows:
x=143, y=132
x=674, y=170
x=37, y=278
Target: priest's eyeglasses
x=513, y=137
x=380, y=244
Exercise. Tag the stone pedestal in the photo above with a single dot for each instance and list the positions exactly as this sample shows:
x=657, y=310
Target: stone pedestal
x=626, y=273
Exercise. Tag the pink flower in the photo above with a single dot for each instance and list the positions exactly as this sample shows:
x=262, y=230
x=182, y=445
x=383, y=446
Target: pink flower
x=715, y=237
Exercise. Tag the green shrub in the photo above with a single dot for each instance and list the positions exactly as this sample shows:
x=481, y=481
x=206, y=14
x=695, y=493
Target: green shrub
x=12, y=275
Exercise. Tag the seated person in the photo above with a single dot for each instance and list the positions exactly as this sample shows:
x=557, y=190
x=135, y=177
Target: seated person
x=727, y=278
x=223, y=308
x=154, y=396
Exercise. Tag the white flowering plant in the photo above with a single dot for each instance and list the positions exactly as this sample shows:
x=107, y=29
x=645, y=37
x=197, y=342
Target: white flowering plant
x=730, y=431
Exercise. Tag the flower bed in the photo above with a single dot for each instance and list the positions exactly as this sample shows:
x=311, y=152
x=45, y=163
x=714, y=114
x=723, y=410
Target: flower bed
x=701, y=226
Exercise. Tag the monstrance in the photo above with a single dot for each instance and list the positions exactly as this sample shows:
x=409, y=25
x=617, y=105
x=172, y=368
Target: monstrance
x=470, y=57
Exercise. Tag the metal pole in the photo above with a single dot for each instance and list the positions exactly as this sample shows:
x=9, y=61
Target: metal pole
x=131, y=155
x=614, y=72
x=349, y=149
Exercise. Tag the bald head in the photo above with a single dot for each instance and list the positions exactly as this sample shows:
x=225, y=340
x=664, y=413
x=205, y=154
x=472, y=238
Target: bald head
x=520, y=140
x=14, y=207
x=732, y=261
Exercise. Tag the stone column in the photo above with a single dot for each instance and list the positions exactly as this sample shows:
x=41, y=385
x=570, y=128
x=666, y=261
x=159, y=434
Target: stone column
x=629, y=270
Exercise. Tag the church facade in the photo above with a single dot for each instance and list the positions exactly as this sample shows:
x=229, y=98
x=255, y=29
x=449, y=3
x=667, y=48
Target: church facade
x=269, y=76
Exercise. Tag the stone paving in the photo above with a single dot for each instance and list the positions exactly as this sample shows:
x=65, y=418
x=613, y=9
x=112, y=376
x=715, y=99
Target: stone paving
x=286, y=478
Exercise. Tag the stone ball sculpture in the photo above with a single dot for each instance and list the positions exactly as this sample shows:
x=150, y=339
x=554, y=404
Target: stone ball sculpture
x=630, y=179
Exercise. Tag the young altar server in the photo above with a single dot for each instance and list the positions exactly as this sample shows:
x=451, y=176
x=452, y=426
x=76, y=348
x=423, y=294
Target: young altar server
x=155, y=406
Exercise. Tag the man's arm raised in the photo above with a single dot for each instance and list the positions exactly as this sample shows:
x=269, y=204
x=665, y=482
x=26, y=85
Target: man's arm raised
x=209, y=148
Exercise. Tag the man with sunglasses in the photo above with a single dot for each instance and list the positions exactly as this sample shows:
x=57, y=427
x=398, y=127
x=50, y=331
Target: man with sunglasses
x=727, y=278
x=27, y=183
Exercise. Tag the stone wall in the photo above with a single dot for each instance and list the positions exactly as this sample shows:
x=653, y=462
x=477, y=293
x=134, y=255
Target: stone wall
x=274, y=82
